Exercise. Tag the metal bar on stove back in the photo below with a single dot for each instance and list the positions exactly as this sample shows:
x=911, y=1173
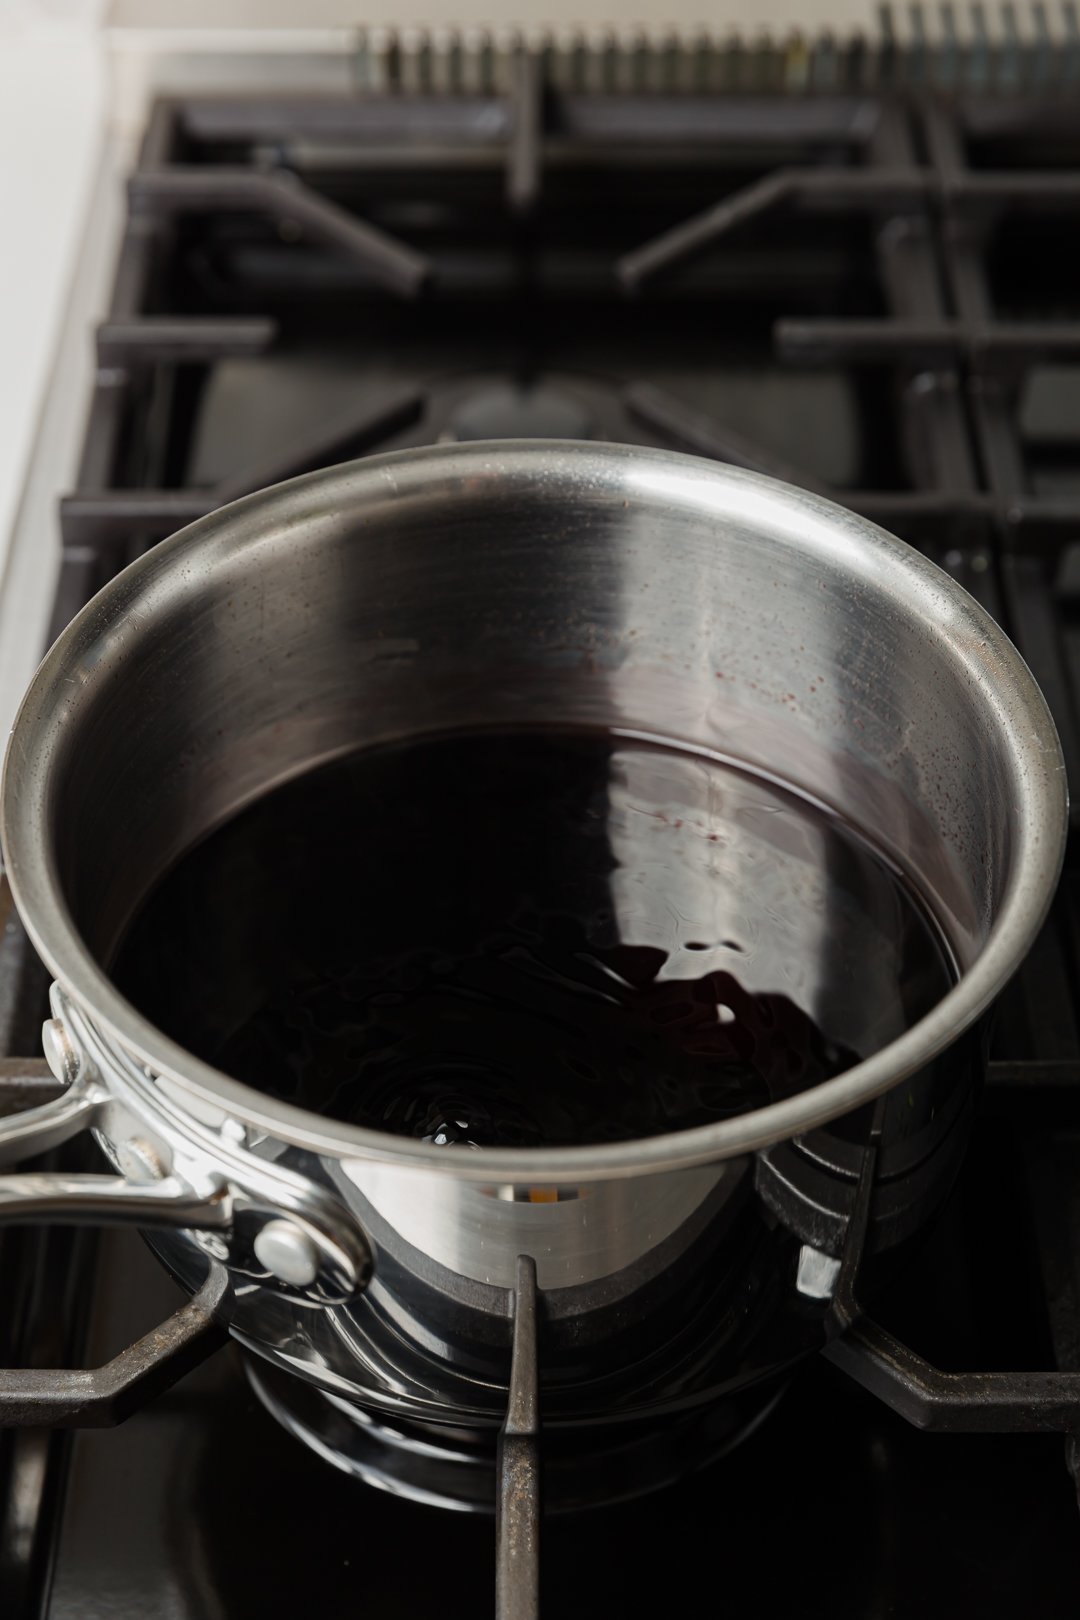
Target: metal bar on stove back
x=824, y=342
x=523, y=158
x=693, y=120
x=111, y=515
x=944, y=506
x=146, y=338
x=1035, y=1074
x=1020, y=188
x=356, y=118
x=518, y=1502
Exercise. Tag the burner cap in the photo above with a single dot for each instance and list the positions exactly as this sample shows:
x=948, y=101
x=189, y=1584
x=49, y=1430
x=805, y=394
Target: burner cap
x=520, y=411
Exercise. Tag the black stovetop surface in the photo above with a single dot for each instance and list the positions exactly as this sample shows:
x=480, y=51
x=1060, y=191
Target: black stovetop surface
x=201, y=1506
x=889, y=312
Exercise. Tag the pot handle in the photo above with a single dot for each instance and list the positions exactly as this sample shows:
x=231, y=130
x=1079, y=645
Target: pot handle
x=101, y=1200
x=51, y=1198
x=287, y=1236
x=47, y=1125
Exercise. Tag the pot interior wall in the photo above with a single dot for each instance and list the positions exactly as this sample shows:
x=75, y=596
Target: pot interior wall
x=412, y=595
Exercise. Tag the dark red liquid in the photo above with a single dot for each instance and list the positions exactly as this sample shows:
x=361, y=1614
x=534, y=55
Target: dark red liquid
x=531, y=938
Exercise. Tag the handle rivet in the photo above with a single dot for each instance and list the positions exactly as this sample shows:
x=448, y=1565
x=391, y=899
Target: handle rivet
x=287, y=1251
x=60, y=1055
x=139, y=1160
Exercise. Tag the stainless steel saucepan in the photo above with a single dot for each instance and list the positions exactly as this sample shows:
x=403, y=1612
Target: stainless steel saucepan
x=506, y=582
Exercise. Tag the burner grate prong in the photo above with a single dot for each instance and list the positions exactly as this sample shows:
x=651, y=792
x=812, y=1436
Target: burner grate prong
x=180, y=189
x=518, y=1503
x=524, y=153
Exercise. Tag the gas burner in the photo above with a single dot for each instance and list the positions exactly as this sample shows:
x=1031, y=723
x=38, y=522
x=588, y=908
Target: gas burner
x=452, y=1466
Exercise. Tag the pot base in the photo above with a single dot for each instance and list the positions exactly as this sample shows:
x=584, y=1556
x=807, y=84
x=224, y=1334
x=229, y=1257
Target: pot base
x=454, y=1466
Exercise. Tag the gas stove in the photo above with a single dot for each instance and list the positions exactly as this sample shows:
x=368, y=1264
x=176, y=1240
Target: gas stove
x=865, y=288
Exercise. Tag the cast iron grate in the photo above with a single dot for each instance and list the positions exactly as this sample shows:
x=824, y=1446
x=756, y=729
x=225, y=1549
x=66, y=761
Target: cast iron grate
x=244, y=212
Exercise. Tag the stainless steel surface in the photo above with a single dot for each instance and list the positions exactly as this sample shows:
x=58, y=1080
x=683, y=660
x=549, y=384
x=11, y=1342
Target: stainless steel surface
x=649, y=593
x=477, y=1230
x=287, y=1251
x=51, y=1196
x=50, y=1123
x=60, y=1055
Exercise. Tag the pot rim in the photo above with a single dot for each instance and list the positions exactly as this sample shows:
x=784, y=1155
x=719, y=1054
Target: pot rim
x=992, y=663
